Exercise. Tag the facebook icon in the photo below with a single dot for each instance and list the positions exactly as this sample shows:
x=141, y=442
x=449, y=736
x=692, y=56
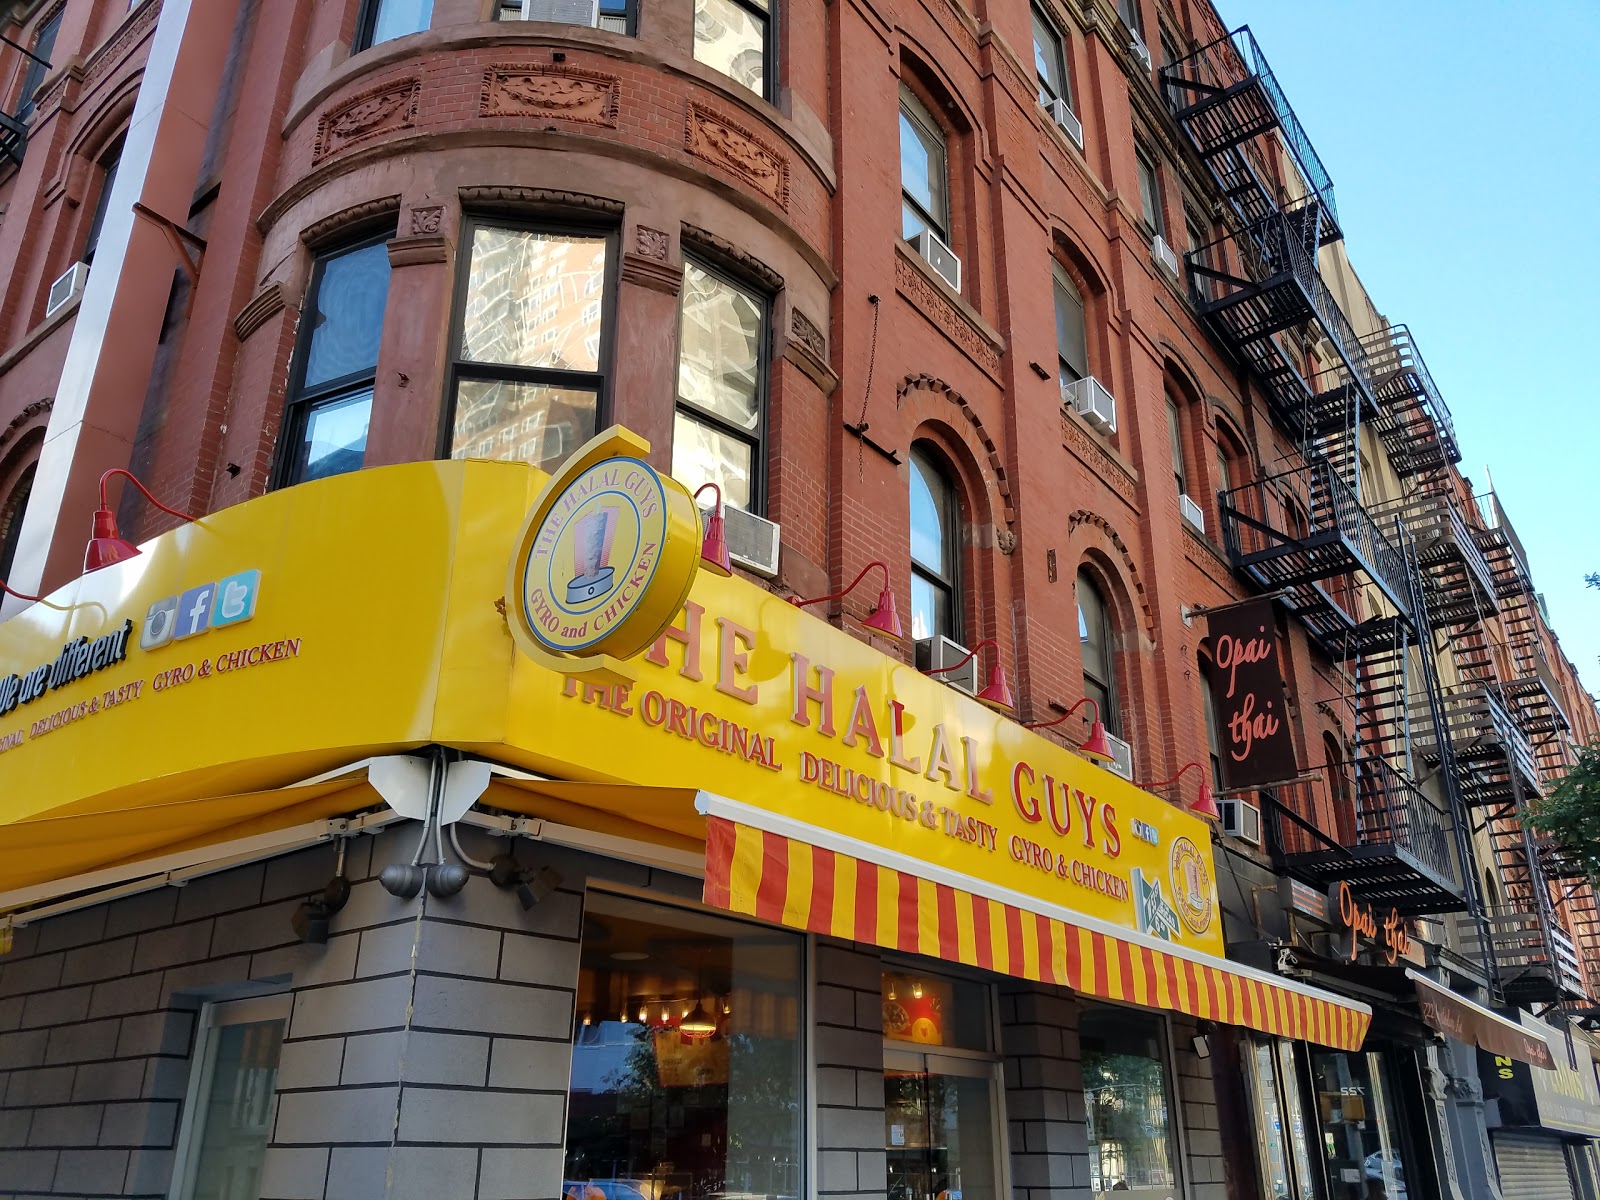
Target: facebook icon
x=194, y=610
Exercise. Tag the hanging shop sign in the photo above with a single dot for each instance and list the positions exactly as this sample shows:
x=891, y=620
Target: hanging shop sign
x=603, y=561
x=1564, y=1097
x=1247, y=695
x=1361, y=926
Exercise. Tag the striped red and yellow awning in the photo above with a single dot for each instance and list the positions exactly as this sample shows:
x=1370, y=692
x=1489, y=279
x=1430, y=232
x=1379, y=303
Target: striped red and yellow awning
x=795, y=883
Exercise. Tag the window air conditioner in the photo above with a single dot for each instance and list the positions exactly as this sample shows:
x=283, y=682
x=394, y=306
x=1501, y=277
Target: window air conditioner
x=1192, y=513
x=936, y=652
x=1139, y=50
x=752, y=541
x=1122, y=760
x=1241, y=820
x=940, y=257
x=563, y=12
x=1067, y=119
x=1092, y=402
x=65, y=289
x=1166, y=257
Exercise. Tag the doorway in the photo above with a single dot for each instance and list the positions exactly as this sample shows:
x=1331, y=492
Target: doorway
x=941, y=1126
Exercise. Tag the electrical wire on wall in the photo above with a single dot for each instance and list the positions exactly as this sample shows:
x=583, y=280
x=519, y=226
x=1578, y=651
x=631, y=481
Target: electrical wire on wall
x=866, y=393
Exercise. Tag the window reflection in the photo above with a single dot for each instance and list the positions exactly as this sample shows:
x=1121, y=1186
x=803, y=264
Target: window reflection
x=934, y=567
x=1125, y=1101
x=686, y=1071
x=717, y=429
x=1361, y=1139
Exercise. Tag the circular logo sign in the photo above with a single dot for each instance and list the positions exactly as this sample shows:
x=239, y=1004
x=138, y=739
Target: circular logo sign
x=1191, y=885
x=606, y=558
x=595, y=554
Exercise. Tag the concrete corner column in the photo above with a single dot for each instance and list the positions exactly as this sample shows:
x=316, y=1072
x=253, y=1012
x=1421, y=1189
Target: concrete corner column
x=107, y=370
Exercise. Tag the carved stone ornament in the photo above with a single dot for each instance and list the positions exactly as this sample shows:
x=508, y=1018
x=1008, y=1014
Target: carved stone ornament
x=1097, y=460
x=923, y=382
x=807, y=334
x=719, y=141
x=29, y=411
x=1006, y=540
x=915, y=287
x=113, y=52
x=267, y=302
x=651, y=243
x=427, y=219
x=549, y=90
x=383, y=109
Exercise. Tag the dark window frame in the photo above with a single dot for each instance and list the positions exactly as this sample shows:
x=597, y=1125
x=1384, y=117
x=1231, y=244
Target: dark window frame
x=759, y=473
x=367, y=26
x=298, y=403
x=458, y=368
x=768, y=18
x=629, y=14
x=1111, y=714
x=953, y=582
x=44, y=45
x=1061, y=278
x=922, y=116
x=109, y=160
x=13, y=510
x=1155, y=217
x=1040, y=16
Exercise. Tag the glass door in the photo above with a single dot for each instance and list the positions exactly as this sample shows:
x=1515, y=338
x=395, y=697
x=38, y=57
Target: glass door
x=941, y=1133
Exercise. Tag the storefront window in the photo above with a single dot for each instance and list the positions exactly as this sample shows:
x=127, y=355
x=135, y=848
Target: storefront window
x=933, y=1010
x=1361, y=1139
x=1125, y=1099
x=686, y=1067
x=1280, y=1123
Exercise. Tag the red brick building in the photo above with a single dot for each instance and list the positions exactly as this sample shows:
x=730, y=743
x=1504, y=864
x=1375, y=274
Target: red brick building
x=915, y=282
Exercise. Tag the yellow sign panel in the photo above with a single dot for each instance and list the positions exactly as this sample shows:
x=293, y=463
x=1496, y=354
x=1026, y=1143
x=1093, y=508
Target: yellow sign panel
x=358, y=615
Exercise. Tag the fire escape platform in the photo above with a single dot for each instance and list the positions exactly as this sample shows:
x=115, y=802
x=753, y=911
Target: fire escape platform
x=1414, y=424
x=1461, y=587
x=1528, y=974
x=1494, y=759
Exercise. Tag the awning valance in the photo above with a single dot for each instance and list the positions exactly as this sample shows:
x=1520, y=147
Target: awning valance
x=1457, y=1017
x=809, y=879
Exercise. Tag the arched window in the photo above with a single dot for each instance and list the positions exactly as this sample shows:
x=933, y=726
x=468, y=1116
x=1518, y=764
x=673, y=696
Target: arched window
x=11, y=519
x=1099, y=662
x=1072, y=339
x=935, y=549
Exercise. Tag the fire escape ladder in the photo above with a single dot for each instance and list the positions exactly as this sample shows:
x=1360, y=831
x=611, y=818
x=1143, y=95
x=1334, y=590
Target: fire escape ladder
x=1413, y=422
x=1579, y=906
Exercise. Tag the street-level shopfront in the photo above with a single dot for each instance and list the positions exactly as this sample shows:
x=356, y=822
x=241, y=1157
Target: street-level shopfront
x=831, y=927
x=1545, y=1123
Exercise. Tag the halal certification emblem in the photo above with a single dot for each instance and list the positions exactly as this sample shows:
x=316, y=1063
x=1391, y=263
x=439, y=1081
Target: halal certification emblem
x=1191, y=885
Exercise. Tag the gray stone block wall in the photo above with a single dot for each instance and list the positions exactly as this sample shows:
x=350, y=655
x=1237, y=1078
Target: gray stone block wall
x=848, y=1046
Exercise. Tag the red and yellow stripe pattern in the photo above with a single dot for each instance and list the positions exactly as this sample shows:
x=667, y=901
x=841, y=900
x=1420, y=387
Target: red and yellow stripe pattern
x=789, y=882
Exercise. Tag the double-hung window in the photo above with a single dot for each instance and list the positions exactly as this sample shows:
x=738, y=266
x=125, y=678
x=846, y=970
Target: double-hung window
x=924, y=171
x=616, y=16
x=735, y=38
x=384, y=20
x=530, y=344
x=1175, y=432
x=1072, y=342
x=108, y=178
x=1150, y=196
x=1050, y=62
x=1095, y=642
x=44, y=45
x=1128, y=10
x=330, y=398
x=935, y=549
x=717, y=432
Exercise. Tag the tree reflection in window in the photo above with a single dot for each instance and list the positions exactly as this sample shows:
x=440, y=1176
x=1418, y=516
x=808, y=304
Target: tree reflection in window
x=1125, y=1102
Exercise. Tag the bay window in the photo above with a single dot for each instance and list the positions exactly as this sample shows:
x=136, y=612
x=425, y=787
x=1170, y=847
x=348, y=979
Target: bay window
x=384, y=20
x=530, y=344
x=734, y=37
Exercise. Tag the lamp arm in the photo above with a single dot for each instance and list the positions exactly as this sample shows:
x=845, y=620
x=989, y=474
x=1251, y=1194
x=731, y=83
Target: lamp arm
x=11, y=591
x=1089, y=700
x=1164, y=782
x=133, y=479
x=850, y=587
x=971, y=654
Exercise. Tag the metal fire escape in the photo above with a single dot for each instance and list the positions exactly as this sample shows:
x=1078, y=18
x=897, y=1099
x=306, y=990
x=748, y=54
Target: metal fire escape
x=1303, y=533
x=14, y=126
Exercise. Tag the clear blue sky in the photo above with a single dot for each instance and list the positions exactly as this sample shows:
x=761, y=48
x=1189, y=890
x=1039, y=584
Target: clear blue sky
x=1463, y=139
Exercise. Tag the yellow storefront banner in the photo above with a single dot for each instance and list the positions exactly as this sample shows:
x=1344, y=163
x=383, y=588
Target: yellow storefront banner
x=364, y=614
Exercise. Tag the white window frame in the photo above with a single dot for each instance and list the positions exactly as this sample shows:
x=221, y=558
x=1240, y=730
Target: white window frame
x=214, y=1016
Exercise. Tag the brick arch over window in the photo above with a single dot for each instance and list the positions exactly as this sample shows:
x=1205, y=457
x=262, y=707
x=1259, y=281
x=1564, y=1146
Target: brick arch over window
x=1092, y=276
x=990, y=462
x=1124, y=572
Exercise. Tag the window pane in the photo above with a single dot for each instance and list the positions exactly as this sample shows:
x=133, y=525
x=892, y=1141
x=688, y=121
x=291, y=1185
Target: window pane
x=1150, y=195
x=1047, y=60
x=1359, y=1131
x=686, y=1069
x=396, y=18
x=719, y=355
x=732, y=40
x=930, y=509
x=1269, y=1121
x=1072, y=343
x=1125, y=1102
x=347, y=315
x=236, y=1114
x=932, y=1010
x=939, y=1136
x=534, y=299
x=108, y=180
x=44, y=45
x=931, y=608
x=701, y=454
x=1175, y=432
x=922, y=166
x=335, y=439
x=536, y=423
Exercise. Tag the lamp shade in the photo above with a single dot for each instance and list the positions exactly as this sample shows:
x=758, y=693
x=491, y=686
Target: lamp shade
x=714, y=549
x=1205, y=804
x=886, y=617
x=997, y=694
x=698, y=1023
x=106, y=545
x=1097, y=746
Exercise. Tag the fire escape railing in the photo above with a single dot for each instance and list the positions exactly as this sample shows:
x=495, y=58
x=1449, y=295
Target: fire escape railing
x=1413, y=421
x=13, y=126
